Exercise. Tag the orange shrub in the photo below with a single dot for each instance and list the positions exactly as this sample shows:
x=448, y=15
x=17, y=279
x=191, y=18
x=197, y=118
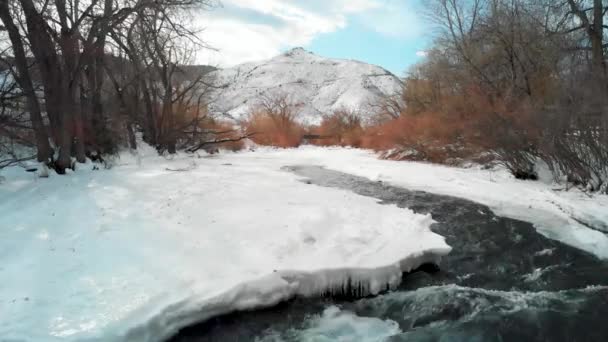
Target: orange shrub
x=342, y=128
x=461, y=126
x=274, y=122
x=273, y=130
x=426, y=137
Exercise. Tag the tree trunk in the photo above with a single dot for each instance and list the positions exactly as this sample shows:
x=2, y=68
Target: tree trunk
x=79, y=123
x=72, y=114
x=102, y=139
x=152, y=127
x=98, y=119
x=55, y=85
x=168, y=131
x=597, y=40
x=64, y=161
x=595, y=33
x=25, y=81
x=131, y=134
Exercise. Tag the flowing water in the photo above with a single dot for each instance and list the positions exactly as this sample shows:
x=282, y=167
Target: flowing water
x=502, y=282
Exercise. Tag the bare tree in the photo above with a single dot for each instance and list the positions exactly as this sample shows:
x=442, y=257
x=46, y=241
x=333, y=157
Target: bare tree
x=519, y=67
x=24, y=80
x=69, y=42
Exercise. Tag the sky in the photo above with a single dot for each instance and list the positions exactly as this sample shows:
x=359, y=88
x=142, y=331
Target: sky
x=389, y=33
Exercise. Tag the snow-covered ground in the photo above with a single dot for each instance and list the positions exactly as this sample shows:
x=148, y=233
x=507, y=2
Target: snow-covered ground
x=556, y=213
x=135, y=252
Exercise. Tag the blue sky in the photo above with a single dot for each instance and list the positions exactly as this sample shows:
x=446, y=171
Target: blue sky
x=389, y=33
x=357, y=42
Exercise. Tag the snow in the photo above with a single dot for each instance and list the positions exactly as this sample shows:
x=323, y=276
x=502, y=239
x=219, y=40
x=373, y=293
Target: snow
x=136, y=252
x=558, y=214
x=320, y=85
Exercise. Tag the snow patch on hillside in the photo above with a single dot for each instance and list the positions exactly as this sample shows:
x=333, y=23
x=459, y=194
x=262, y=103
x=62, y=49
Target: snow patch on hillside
x=138, y=251
x=320, y=85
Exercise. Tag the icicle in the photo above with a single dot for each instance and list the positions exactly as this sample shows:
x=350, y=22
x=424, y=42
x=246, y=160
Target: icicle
x=277, y=287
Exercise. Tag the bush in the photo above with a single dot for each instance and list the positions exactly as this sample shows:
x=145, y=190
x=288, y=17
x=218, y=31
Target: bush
x=269, y=130
x=342, y=128
x=274, y=123
x=428, y=136
x=450, y=124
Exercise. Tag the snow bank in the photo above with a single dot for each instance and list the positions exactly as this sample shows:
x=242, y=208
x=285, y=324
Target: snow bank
x=572, y=217
x=273, y=289
x=138, y=251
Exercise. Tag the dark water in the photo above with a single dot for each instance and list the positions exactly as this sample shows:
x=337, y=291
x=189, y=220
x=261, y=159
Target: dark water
x=502, y=282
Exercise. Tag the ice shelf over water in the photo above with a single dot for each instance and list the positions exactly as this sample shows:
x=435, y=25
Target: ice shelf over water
x=136, y=252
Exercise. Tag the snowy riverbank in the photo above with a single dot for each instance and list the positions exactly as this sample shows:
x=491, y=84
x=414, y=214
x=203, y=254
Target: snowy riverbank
x=135, y=252
x=558, y=214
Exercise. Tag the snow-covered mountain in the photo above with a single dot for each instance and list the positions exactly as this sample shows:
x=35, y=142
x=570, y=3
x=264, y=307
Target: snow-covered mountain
x=318, y=85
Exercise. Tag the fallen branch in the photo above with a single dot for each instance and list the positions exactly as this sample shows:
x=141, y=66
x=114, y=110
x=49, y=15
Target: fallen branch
x=13, y=161
x=218, y=141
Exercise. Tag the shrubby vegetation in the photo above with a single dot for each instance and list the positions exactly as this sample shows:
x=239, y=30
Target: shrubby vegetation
x=274, y=122
x=342, y=128
x=522, y=79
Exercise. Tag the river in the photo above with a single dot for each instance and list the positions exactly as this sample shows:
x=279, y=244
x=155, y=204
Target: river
x=502, y=282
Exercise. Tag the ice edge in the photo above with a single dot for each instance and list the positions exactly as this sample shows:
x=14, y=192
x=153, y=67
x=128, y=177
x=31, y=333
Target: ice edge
x=277, y=287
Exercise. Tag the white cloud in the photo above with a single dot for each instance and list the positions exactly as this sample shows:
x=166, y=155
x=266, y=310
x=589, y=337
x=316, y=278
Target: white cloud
x=421, y=53
x=246, y=30
x=397, y=18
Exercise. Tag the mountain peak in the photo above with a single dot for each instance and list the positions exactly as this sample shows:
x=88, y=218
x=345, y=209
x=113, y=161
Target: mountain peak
x=297, y=51
x=322, y=85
